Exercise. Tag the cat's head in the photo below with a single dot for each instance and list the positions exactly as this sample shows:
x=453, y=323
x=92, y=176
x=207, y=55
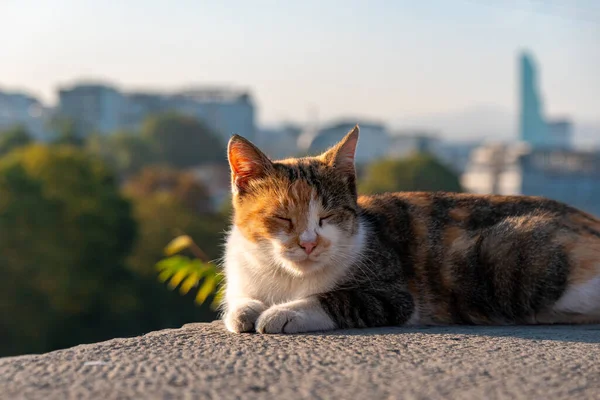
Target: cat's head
x=301, y=212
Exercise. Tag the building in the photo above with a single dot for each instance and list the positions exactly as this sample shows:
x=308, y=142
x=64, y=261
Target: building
x=93, y=108
x=531, y=119
x=279, y=142
x=534, y=129
x=560, y=133
x=373, y=142
x=105, y=109
x=226, y=111
x=455, y=155
x=572, y=177
x=139, y=106
x=19, y=109
x=404, y=143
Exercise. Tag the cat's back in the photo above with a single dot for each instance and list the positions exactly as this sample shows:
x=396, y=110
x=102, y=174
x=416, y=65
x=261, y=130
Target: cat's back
x=442, y=221
x=483, y=259
x=468, y=211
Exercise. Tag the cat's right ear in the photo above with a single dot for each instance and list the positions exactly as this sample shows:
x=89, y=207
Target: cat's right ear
x=247, y=162
x=341, y=156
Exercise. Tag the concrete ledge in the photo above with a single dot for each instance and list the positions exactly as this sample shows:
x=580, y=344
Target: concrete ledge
x=204, y=361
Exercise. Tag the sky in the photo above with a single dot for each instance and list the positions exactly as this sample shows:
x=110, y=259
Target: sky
x=381, y=60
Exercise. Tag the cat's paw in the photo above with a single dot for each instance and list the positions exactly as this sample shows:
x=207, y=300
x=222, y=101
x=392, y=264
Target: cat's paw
x=242, y=317
x=279, y=319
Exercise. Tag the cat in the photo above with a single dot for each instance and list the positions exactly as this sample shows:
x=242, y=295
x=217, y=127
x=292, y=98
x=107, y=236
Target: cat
x=306, y=253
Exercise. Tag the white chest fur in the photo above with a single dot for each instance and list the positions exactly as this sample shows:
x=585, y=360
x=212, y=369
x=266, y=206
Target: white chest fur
x=252, y=272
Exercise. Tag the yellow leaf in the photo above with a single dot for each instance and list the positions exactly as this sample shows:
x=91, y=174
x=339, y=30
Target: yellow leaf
x=173, y=263
x=177, y=278
x=178, y=244
x=207, y=288
x=189, y=283
x=199, y=267
x=165, y=275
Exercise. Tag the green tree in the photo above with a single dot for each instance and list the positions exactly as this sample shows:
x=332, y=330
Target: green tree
x=418, y=172
x=127, y=152
x=65, y=131
x=65, y=231
x=183, y=186
x=182, y=141
x=14, y=138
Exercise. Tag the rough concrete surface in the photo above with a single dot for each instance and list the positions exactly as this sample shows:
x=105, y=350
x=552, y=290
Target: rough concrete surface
x=204, y=361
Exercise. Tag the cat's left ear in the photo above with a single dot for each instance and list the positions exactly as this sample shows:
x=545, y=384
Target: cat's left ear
x=341, y=156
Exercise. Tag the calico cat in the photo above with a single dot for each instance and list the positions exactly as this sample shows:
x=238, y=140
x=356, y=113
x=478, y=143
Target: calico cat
x=305, y=253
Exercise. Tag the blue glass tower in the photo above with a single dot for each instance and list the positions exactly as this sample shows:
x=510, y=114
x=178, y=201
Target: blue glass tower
x=532, y=125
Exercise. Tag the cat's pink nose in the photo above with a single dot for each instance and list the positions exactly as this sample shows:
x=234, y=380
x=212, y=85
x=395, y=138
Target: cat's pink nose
x=308, y=246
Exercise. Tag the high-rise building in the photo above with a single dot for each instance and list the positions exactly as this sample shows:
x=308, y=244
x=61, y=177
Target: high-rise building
x=533, y=129
x=93, y=108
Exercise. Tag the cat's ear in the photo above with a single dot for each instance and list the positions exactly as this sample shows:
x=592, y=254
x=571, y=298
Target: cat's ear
x=247, y=162
x=341, y=156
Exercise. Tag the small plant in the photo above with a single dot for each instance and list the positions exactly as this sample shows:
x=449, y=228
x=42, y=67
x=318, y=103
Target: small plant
x=188, y=273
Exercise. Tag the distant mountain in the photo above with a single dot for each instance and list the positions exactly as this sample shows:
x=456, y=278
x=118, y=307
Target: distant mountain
x=486, y=123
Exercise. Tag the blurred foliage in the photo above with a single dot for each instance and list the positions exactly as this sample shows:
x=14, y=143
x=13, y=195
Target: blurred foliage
x=127, y=152
x=226, y=208
x=64, y=233
x=418, y=172
x=182, y=141
x=170, y=139
x=65, y=131
x=13, y=138
x=82, y=229
x=183, y=186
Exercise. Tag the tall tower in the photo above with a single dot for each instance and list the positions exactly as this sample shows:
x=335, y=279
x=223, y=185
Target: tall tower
x=532, y=125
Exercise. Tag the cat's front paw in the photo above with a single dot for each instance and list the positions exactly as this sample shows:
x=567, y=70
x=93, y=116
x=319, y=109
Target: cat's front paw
x=279, y=319
x=242, y=317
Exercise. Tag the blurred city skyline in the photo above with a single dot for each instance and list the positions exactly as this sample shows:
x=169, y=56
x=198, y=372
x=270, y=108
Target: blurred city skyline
x=115, y=117
x=406, y=64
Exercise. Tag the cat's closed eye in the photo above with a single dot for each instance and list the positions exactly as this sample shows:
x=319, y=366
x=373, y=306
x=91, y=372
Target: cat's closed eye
x=283, y=219
x=325, y=218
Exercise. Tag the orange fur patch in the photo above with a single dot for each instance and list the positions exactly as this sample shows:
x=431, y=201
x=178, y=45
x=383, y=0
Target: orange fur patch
x=256, y=215
x=420, y=200
x=584, y=253
x=459, y=214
